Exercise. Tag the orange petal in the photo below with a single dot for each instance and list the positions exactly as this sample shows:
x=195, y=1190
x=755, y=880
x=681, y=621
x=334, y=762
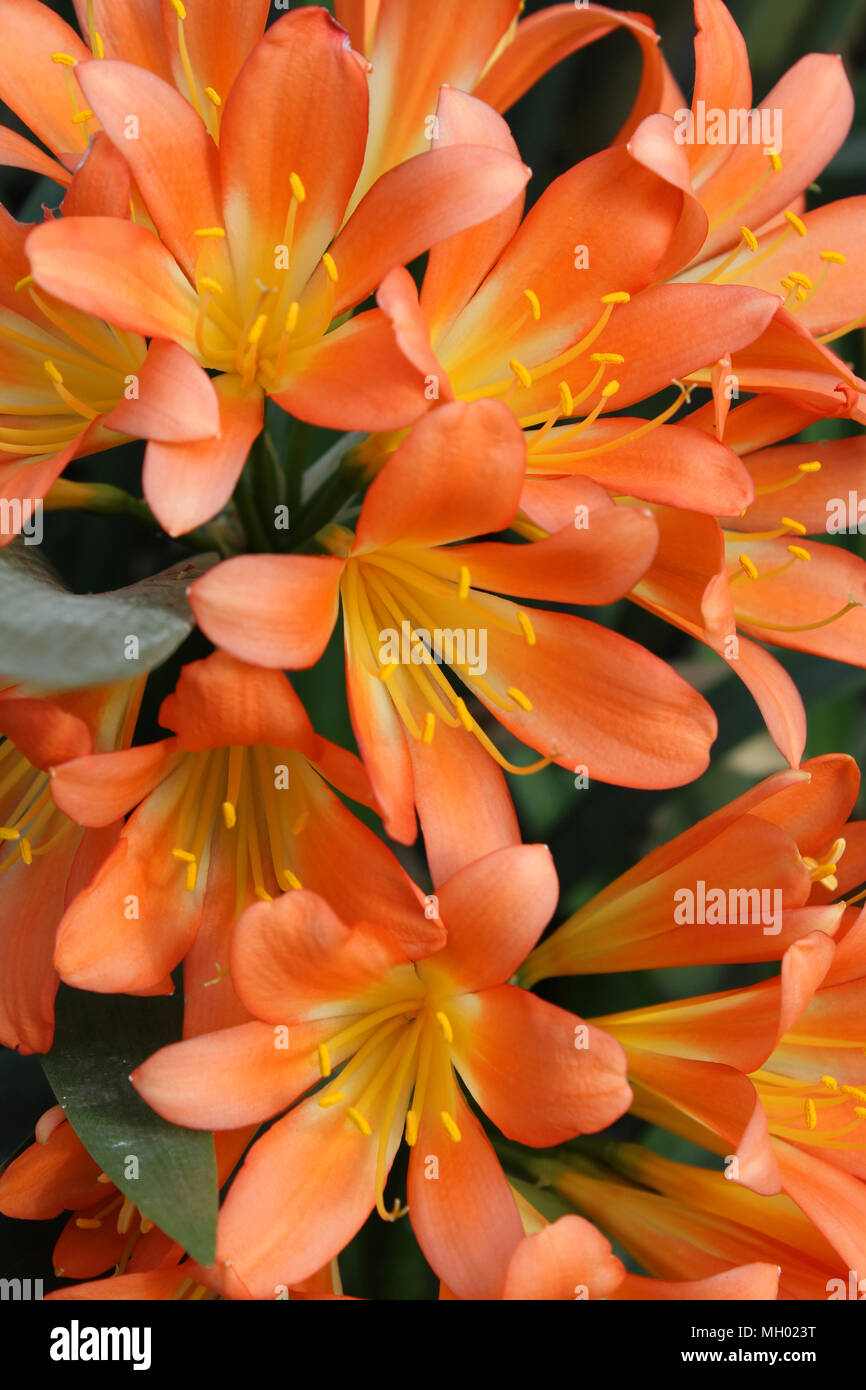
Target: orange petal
x=538, y=1072
x=355, y=378
x=31, y=84
x=820, y=499
x=100, y=185
x=186, y=484
x=176, y=400
x=464, y=1217
x=134, y=35
x=723, y=79
x=279, y=609
x=807, y=593
x=100, y=789
x=494, y=909
x=237, y=1076
x=655, y=146
x=219, y=702
x=118, y=271
x=568, y=1259
x=48, y=1177
x=776, y=696
x=18, y=153
x=425, y=495
x=755, y=1282
x=293, y=959
x=43, y=731
x=427, y=199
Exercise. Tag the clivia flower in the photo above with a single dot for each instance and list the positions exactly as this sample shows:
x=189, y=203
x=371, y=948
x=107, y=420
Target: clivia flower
x=248, y=266
x=578, y=693
x=388, y=1038
x=44, y=857
x=234, y=808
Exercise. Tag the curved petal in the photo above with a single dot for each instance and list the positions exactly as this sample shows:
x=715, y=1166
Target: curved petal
x=18, y=153
x=293, y=959
x=754, y=1282
x=494, y=909
x=723, y=79
x=100, y=789
x=173, y=159
x=235, y=1077
x=538, y=1072
x=462, y=1210
x=655, y=146
x=219, y=702
x=797, y=608
x=821, y=500
x=31, y=84
x=176, y=400
x=49, y=1177
x=458, y=473
x=217, y=52
x=187, y=483
x=100, y=186
x=776, y=696
x=118, y=271
x=277, y=610
x=44, y=732
x=568, y=1259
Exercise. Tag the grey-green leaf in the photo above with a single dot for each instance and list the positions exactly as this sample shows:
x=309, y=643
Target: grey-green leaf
x=99, y=1040
x=57, y=640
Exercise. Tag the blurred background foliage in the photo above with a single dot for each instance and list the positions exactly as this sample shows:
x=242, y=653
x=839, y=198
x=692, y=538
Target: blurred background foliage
x=596, y=833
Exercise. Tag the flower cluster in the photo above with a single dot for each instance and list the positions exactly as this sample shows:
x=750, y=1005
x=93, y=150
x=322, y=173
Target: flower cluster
x=280, y=224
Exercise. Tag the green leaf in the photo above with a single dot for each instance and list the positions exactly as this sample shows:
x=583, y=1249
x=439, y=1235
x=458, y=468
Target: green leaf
x=99, y=1040
x=52, y=638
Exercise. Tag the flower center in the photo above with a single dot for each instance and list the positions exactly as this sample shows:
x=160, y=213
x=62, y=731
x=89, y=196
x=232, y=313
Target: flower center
x=30, y=823
x=403, y=1049
x=822, y=1115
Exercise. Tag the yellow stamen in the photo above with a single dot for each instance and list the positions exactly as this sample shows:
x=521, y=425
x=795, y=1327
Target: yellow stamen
x=465, y=582
x=209, y=232
x=836, y=257
x=749, y=566
x=526, y=628
x=299, y=192
x=450, y=1126
x=81, y=117
x=24, y=283
x=429, y=727
x=445, y=1025
x=519, y=698
x=65, y=58
x=330, y=267
x=534, y=304
x=617, y=297
x=615, y=358
x=333, y=1098
x=358, y=1119
x=324, y=1059
x=566, y=399
x=749, y=238
x=523, y=376
x=411, y=1128
x=213, y=96
x=797, y=223
x=811, y=1114
x=229, y=815
x=799, y=552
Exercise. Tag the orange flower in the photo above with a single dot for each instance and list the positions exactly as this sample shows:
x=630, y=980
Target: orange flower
x=786, y=835
x=234, y=807
x=389, y=1038
x=44, y=857
x=699, y=1235
x=557, y=315
x=252, y=267
x=497, y=57
x=577, y=693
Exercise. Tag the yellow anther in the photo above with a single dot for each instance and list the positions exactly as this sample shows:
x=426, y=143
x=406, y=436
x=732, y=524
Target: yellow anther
x=292, y=879
x=292, y=316
x=566, y=399
x=206, y=283
x=519, y=698
x=793, y=525
x=860, y=1112
x=854, y=1091
x=229, y=815
x=749, y=566
x=257, y=329
x=830, y=1082
x=526, y=628
x=88, y=1223
x=65, y=58
x=387, y=671
x=787, y=283
x=99, y=52
x=610, y=390
x=614, y=358
x=263, y=895
x=450, y=1126
x=6, y=834
x=811, y=1114
x=333, y=1099
x=52, y=372
x=749, y=238
x=800, y=279
x=445, y=1025
x=464, y=583
x=81, y=116
x=213, y=96
x=463, y=714
x=411, y=1128
x=523, y=376
x=797, y=223
x=299, y=192
x=146, y=1224
x=330, y=267
x=185, y=855
x=179, y=8
x=775, y=160
x=798, y=552
x=24, y=283
x=618, y=297
x=534, y=304
x=429, y=727
x=209, y=231
x=358, y=1119
x=814, y=467
x=324, y=1059
x=26, y=850
x=835, y=256
x=191, y=875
